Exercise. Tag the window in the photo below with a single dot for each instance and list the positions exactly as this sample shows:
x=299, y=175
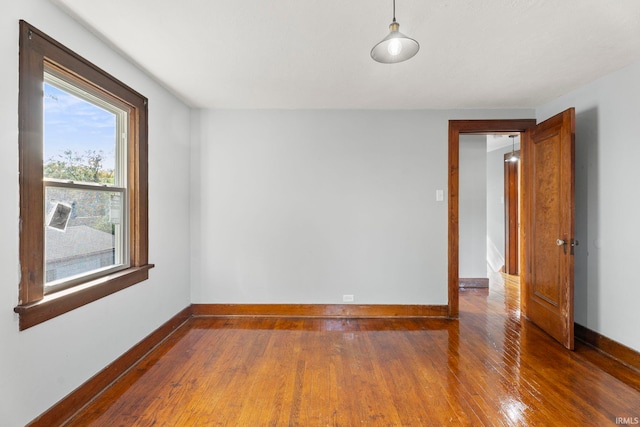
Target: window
x=83, y=181
x=85, y=142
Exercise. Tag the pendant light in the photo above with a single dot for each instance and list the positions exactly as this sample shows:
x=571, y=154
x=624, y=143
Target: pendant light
x=513, y=157
x=396, y=47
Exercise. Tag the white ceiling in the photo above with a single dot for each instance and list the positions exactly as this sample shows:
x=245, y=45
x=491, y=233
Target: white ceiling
x=299, y=54
x=495, y=142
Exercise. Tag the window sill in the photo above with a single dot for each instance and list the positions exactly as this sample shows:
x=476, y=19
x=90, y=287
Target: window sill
x=61, y=302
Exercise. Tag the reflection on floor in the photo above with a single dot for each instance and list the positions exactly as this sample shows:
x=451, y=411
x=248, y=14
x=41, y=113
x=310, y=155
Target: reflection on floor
x=489, y=368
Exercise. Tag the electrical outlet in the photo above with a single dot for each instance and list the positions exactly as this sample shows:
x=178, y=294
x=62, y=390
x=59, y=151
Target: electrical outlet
x=347, y=298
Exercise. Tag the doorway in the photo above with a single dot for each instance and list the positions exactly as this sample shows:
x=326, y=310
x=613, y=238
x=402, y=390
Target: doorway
x=548, y=210
x=488, y=228
x=456, y=128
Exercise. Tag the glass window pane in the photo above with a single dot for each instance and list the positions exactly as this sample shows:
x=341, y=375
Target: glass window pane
x=79, y=137
x=83, y=232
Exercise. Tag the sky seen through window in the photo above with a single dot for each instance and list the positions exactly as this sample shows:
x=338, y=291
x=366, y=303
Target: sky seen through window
x=71, y=123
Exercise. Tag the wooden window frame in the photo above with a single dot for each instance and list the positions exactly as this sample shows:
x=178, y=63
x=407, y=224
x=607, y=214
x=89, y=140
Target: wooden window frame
x=34, y=306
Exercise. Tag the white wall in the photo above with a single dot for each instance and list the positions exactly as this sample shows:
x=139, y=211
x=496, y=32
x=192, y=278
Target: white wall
x=495, y=207
x=607, y=293
x=472, y=207
x=41, y=365
x=305, y=206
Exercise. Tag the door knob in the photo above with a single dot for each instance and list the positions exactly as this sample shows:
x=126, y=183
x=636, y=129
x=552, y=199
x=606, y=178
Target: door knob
x=560, y=242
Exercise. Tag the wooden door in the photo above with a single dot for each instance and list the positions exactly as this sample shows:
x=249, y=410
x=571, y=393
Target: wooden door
x=549, y=163
x=511, y=214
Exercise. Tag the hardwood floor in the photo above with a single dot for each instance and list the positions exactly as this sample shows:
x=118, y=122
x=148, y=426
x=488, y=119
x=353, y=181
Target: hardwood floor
x=489, y=368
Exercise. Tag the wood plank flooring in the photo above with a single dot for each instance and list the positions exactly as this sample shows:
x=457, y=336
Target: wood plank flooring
x=489, y=368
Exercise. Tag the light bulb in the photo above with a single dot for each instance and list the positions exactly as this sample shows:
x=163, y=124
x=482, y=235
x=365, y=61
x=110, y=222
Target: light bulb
x=395, y=47
x=513, y=158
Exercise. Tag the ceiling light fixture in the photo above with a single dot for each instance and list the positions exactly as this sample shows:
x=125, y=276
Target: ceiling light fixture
x=396, y=47
x=513, y=157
